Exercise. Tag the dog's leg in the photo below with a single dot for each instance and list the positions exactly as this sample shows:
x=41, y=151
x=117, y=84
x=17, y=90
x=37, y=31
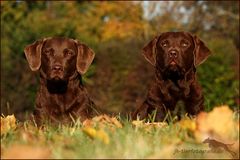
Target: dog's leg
x=194, y=103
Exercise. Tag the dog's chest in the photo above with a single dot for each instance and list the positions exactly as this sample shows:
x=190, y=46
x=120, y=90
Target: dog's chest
x=175, y=91
x=65, y=103
x=171, y=89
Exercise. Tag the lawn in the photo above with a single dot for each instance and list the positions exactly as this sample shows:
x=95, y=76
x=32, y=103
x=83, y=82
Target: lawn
x=115, y=137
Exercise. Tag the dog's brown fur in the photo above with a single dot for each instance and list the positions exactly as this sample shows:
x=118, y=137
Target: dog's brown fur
x=61, y=96
x=175, y=56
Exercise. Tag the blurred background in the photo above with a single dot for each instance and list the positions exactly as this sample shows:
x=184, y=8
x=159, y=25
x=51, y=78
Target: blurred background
x=119, y=77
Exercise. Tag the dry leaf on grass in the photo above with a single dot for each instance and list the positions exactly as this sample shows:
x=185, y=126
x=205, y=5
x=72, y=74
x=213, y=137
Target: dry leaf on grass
x=148, y=126
x=26, y=152
x=7, y=124
x=218, y=123
x=96, y=134
x=103, y=121
x=138, y=123
x=189, y=124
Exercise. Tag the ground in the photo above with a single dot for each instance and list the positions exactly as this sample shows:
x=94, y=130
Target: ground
x=114, y=137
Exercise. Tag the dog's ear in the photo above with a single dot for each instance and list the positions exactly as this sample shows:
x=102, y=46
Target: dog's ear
x=149, y=51
x=201, y=51
x=84, y=58
x=33, y=54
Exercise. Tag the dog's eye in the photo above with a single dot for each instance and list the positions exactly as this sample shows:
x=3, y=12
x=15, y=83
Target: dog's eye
x=164, y=44
x=184, y=43
x=68, y=52
x=48, y=51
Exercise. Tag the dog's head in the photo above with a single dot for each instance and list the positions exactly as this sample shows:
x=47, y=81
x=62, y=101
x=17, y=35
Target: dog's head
x=59, y=58
x=174, y=53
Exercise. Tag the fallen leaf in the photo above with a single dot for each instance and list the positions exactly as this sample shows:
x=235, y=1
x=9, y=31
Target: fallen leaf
x=103, y=121
x=91, y=132
x=7, y=124
x=188, y=124
x=96, y=134
x=156, y=124
x=148, y=126
x=137, y=123
x=218, y=123
x=103, y=136
x=88, y=123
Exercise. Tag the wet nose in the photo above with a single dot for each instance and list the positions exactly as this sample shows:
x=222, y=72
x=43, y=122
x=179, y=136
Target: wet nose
x=173, y=53
x=57, y=67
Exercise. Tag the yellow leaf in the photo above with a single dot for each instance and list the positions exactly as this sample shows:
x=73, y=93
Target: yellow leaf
x=91, y=132
x=148, y=126
x=116, y=122
x=103, y=121
x=137, y=123
x=156, y=124
x=96, y=134
x=7, y=124
x=103, y=136
x=188, y=124
x=88, y=123
x=218, y=123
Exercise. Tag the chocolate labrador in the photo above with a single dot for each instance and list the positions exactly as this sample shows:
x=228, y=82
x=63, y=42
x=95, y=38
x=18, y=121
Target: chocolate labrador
x=175, y=56
x=61, y=62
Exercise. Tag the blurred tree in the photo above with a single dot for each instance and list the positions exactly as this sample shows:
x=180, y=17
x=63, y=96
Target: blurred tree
x=25, y=22
x=117, y=31
x=22, y=23
x=109, y=21
x=221, y=17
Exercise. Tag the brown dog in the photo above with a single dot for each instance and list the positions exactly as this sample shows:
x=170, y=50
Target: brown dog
x=175, y=56
x=61, y=62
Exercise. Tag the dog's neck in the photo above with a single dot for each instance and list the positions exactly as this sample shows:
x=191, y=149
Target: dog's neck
x=186, y=76
x=179, y=84
x=61, y=86
x=62, y=95
x=57, y=87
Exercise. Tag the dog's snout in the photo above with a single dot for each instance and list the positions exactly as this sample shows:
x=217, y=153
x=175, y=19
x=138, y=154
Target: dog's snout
x=173, y=53
x=57, y=67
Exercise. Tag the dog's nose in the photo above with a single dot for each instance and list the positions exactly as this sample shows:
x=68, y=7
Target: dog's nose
x=57, y=68
x=173, y=53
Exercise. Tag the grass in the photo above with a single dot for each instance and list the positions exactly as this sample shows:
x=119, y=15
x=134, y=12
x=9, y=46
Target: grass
x=130, y=141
